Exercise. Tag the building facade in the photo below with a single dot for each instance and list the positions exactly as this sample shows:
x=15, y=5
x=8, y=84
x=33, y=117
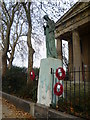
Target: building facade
x=74, y=27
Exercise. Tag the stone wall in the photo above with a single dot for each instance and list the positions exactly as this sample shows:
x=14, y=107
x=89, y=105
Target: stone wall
x=37, y=110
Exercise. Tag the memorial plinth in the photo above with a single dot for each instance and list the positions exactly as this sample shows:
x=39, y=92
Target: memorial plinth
x=45, y=80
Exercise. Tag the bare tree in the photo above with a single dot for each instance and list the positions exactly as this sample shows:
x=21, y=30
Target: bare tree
x=16, y=33
x=65, y=55
x=7, y=16
x=12, y=21
x=30, y=49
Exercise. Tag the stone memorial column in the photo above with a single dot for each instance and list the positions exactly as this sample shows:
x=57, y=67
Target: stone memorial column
x=77, y=61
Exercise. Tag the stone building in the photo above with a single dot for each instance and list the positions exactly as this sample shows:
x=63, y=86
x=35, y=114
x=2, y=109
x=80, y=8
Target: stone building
x=74, y=27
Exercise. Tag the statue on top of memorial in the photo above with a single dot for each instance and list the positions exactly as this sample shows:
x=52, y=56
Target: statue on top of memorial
x=50, y=37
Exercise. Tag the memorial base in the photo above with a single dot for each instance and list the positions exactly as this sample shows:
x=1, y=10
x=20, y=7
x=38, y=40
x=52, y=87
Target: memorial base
x=44, y=95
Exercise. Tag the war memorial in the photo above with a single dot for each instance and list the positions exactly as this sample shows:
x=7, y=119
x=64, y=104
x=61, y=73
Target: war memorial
x=45, y=89
x=74, y=92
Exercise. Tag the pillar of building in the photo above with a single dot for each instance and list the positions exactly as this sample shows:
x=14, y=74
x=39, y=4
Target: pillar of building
x=77, y=60
x=70, y=63
x=59, y=48
x=70, y=54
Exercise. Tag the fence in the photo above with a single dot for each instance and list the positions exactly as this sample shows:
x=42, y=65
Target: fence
x=75, y=99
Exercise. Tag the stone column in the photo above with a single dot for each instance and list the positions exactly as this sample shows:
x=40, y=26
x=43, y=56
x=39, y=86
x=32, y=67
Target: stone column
x=77, y=61
x=70, y=64
x=59, y=49
x=70, y=54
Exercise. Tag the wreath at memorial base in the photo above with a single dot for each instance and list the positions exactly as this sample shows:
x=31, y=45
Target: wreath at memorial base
x=60, y=91
x=58, y=75
x=32, y=75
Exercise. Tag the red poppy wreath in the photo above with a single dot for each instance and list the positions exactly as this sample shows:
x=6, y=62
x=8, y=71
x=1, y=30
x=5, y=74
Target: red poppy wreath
x=32, y=75
x=58, y=93
x=60, y=77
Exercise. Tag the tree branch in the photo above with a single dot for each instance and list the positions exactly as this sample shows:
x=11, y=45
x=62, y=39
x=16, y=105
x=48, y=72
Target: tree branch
x=6, y=10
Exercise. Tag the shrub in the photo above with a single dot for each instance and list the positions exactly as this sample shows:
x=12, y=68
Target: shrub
x=15, y=82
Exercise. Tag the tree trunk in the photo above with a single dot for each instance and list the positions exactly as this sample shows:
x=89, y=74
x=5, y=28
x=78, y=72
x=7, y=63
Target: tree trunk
x=11, y=56
x=30, y=56
x=4, y=64
x=30, y=49
x=10, y=63
x=4, y=52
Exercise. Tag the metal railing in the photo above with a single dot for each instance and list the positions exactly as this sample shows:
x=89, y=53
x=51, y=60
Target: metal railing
x=75, y=98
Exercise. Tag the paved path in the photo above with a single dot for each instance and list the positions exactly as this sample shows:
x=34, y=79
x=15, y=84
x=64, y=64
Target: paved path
x=8, y=110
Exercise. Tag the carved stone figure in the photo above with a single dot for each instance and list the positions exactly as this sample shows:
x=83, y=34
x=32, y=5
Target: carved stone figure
x=50, y=37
